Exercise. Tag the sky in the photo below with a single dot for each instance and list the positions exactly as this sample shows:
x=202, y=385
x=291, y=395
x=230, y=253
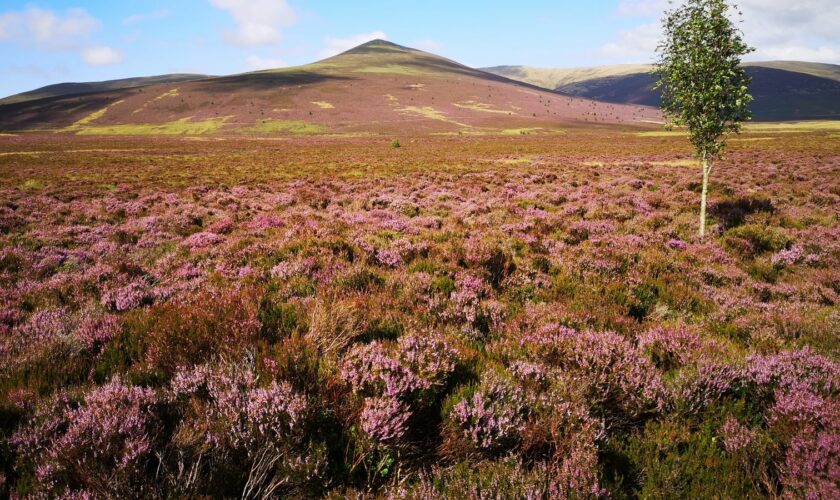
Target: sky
x=45, y=42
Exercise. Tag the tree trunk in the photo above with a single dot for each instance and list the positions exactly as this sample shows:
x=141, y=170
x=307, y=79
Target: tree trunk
x=707, y=168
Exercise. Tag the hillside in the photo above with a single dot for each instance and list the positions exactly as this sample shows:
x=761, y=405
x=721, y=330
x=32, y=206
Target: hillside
x=378, y=87
x=72, y=88
x=783, y=90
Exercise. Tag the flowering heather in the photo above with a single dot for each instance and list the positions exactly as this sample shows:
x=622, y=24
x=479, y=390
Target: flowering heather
x=812, y=464
x=238, y=411
x=109, y=432
x=96, y=330
x=527, y=316
x=494, y=416
x=198, y=241
x=371, y=369
x=736, y=436
x=384, y=419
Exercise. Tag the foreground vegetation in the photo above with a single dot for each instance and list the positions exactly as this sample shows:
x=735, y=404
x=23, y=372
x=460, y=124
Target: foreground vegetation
x=516, y=316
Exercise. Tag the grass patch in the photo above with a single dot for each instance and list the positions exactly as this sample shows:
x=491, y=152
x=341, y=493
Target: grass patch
x=170, y=93
x=323, y=104
x=32, y=185
x=179, y=127
x=286, y=126
x=760, y=127
x=526, y=131
x=482, y=107
x=92, y=117
x=392, y=69
x=803, y=126
x=430, y=113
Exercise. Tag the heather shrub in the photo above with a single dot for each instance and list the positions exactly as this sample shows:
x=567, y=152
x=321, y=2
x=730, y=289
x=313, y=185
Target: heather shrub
x=95, y=330
x=372, y=370
x=492, y=415
x=669, y=348
x=481, y=322
x=811, y=467
x=622, y=384
x=697, y=387
x=399, y=385
x=250, y=434
x=103, y=441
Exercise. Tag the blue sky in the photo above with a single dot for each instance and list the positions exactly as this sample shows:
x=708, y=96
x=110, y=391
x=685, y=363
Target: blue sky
x=76, y=40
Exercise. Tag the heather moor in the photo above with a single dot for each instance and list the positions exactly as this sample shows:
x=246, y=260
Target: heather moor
x=387, y=274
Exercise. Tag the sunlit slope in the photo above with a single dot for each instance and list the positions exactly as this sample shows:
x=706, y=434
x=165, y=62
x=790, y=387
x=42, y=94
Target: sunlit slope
x=378, y=87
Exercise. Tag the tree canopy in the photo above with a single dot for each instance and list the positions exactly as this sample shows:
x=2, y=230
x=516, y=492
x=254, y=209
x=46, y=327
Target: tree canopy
x=704, y=87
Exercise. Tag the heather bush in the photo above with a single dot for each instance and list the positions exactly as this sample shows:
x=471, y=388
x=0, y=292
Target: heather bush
x=250, y=434
x=103, y=441
x=622, y=383
x=492, y=415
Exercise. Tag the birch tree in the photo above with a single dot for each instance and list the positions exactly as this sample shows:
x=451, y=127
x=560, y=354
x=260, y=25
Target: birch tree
x=704, y=86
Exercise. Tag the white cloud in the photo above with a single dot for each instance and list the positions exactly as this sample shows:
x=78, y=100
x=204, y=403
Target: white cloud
x=636, y=45
x=147, y=16
x=258, y=21
x=102, y=56
x=778, y=29
x=335, y=45
x=427, y=44
x=796, y=53
x=257, y=63
x=47, y=29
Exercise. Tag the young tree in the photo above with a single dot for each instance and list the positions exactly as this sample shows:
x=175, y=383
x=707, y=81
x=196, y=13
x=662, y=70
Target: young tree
x=704, y=87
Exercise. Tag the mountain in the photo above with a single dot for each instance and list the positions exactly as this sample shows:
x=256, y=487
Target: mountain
x=783, y=90
x=72, y=88
x=378, y=87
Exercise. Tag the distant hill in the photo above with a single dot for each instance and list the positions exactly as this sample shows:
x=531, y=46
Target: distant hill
x=377, y=87
x=62, y=89
x=783, y=90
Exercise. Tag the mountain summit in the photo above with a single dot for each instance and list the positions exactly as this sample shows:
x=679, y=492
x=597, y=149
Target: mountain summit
x=377, y=87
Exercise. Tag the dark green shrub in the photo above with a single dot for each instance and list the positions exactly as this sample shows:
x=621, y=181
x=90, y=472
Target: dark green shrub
x=671, y=459
x=760, y=238
x=361, y=280
x=279, y=320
